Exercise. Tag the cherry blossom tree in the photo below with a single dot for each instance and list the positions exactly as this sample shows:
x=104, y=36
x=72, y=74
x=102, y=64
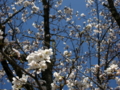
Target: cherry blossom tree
x=47, y=46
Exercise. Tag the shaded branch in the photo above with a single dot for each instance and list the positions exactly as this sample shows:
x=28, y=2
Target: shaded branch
x=113, y=11
x=12, y=16
x=47, y=74
x=9, y=59
x=7, y=70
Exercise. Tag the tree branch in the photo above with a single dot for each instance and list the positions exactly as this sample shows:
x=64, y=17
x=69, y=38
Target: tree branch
x=12, y=16
x=113, y=11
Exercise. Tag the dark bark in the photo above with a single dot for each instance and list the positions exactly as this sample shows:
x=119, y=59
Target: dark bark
x=113, y=11
x=47, y=74
x=9, y=18
x=10, y=74
x=5, y=65
x=7, y=70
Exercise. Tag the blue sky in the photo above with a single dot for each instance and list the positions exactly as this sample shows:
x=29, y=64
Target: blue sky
x=76, y=5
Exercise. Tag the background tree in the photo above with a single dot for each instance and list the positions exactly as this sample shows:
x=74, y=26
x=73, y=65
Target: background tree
x=65, y=49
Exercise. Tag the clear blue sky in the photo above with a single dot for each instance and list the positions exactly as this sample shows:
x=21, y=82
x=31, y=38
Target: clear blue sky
x=77, y=5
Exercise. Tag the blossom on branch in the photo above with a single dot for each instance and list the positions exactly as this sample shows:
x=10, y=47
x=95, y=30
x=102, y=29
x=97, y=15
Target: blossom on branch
x=38, y=59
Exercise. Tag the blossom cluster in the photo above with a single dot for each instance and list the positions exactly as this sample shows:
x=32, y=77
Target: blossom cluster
x=18, y=82
x=67, y=54
x=34, y=9
x=37, y=60
x=58, y=78
x=89, y=34
x=111, y=69
x=6, y=42
x=84, y=84
x=58, y=3
x=68, y=10
x=26, y=3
